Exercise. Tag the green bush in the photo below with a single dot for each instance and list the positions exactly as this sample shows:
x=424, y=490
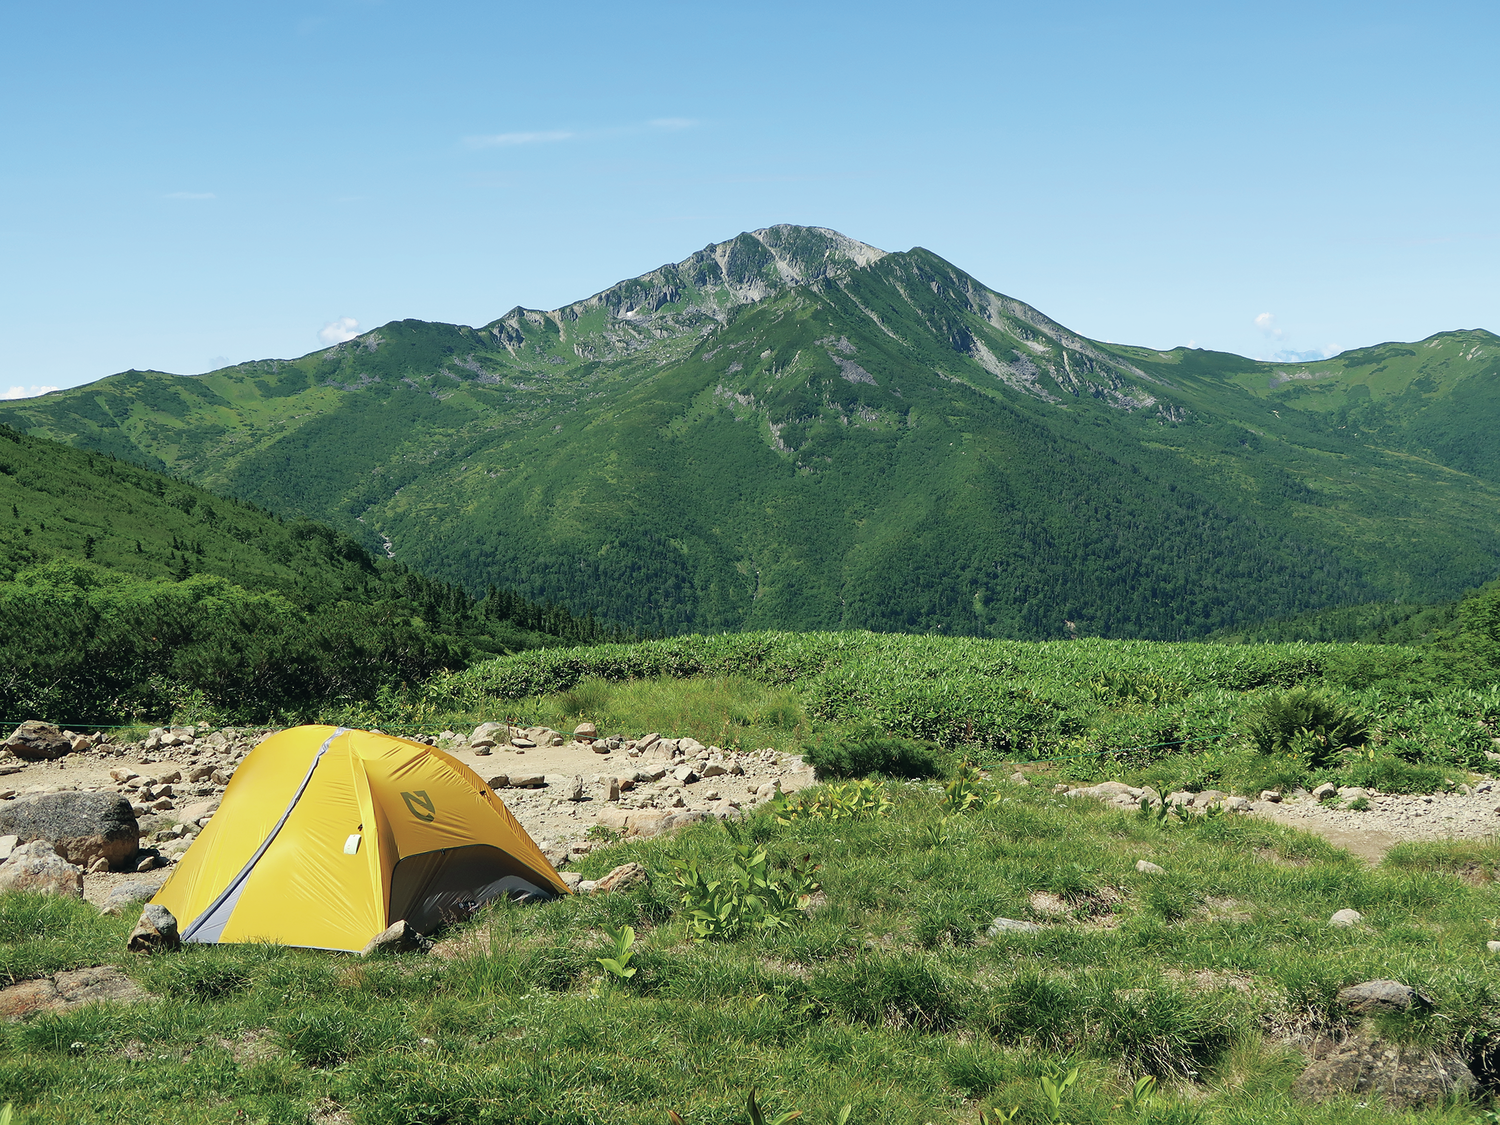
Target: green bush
x=871, y=751
x=1305, y=723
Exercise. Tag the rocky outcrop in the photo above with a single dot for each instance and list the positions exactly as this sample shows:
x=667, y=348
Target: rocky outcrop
x=37, y=742
x=64, y=991
x=81, y=827
x=1402, y=1077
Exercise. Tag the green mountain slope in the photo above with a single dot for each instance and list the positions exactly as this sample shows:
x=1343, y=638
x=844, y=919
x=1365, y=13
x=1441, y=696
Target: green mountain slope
x=795, y=430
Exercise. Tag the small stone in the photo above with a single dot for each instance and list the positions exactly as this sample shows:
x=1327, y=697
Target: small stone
x=1345, y=918
x=647, y=742
x=399, y=937
x=1325, y=791
x=1146, y=867
x=623, y=878
x=1270, y=795
x=147, y=862
x=585, y=731
x=1492, y=946
x=499, y=781
x=768, y=792
x=685, y=775
x=528, y=781
x=8, y=844
x=571, y=879
x=220, y=777
x=575, y=790
x=715, y=768
x=1019, y=778
x=522, y=743
x=156, y=931
x=1011, y=926
x=586, y=887
x=201, y=773
x=614, y=789
x=711, y=795
x=98, y=866
x=599, y=747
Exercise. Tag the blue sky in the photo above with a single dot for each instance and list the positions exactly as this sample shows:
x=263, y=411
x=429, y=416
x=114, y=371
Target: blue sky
x=183, y=186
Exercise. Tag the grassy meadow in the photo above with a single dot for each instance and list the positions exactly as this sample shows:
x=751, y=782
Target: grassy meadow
x=883, y=993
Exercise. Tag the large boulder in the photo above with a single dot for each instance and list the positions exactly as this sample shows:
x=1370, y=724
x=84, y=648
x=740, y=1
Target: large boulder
x=80, y=826
x=37, y=742
x=1403, y=1077
x=35, y=867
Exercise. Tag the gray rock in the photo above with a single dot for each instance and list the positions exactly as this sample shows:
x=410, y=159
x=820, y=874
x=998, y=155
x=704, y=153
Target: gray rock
x=571, y=878
x=1146, y=867
x=1019, y=778
x=528, y=781
x=1373, y=996
x=1270, y=795
x=37, y=868
x=499, y=781
x=715, y=768
x=767, y=792
x=586, y=887
x=1492, y=946
x=1011, y=926
x=124, y=898
x=1324, y=791
x=648, y=741
x=685, y=775
x=8, y=844
x=1344, y=918
x=38, y=742
x=574, y=790
x=80, y=826
x=156, y=932
x=1402, y=1077
x=399, y=937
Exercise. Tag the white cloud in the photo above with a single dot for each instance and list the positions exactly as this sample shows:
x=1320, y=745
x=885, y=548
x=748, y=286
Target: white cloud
x=501, y=140
x=672, y=123
x=337, y=331
x=1267, y=324
x=24, y=392
x=190, y=195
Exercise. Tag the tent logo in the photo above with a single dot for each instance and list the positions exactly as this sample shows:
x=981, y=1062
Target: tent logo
x=420, y=805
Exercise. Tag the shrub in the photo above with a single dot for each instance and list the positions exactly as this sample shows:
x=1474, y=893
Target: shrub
x=749, y=898
x=1305, y=723
x=872, y=751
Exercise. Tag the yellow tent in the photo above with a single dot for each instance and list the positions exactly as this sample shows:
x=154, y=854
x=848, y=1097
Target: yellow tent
x=326, y=837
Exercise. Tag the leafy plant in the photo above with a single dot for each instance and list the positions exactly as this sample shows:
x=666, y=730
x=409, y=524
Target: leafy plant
x=1305, y=723
x=758, y=1118
x=748, y=898
x=867, y=751
x=618, y=965
x=834, y=802
x=1141, y=1094
x=963, y=793
x=1054, y=1086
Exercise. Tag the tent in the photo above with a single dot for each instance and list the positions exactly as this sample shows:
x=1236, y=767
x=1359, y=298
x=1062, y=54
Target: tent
x=326, y=836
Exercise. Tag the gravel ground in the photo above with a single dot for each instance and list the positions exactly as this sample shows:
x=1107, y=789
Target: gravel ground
x=1471, y=812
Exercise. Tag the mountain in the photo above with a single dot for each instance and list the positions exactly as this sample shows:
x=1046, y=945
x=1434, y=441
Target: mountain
x=795, y=430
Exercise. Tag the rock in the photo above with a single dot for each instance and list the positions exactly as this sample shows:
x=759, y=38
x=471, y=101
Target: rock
x=690, y=747
x=1325, y=791
x=102, y=984
x=36, y=867
x=198, y=773
x=574, y=790
x=644, y=776
x=528, y=781
x=1019, y=778
x=1492, y=946
x=522, y=743
x=1345, y=918
x=197, y=810
x=124, y=898
x=715, y=768
x=171, y=777
x=1352, y=792
x=614, y=789
x=1270, y=795
x=1107, y=791
x=221, y=777
x=768, y=791
x=1402, y=1077
x=623, y=878
x=8, y=844
x=1236, y=804
x=37, y=742
x=587, y=886
x=499, y=781
x=685, y=775
x=1011, y=926
x=1182, y=798
x=148, y=862
x=585, y=732
x=399, y=937
x=98, y=867
x=156, y=932
x=571, y=879
x=1146, y=867
x=489, y=733
x=648, y=741
x=1382, y=996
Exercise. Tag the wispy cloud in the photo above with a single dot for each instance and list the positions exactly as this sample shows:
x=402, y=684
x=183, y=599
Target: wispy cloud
x=672, y=123
x=24, y=392
x=190, y=195
x=1266, y=322
x=503, y=140
x=337, y=331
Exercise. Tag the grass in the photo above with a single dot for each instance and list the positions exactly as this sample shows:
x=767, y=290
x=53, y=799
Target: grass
x=888, y=997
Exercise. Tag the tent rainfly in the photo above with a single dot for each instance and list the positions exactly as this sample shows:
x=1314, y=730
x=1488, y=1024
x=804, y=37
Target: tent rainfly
x=327, y=836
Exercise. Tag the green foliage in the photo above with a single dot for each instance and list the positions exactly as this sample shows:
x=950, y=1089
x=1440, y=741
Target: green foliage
x=749, y=898
x=1305, y=724
x=866, y=751
x=618, y=964
x=849, y=801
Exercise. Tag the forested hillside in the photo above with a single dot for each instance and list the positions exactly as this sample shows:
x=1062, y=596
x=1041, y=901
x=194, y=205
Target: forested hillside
x=794, y=430
x=126, y=593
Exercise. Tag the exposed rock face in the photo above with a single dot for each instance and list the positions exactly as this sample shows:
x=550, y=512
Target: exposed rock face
x=70, y=990
x=36, y=741
x=80, y=826
x=1402, y=1077
x=35, y=867
x=1382, y=996
x=156, y=932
